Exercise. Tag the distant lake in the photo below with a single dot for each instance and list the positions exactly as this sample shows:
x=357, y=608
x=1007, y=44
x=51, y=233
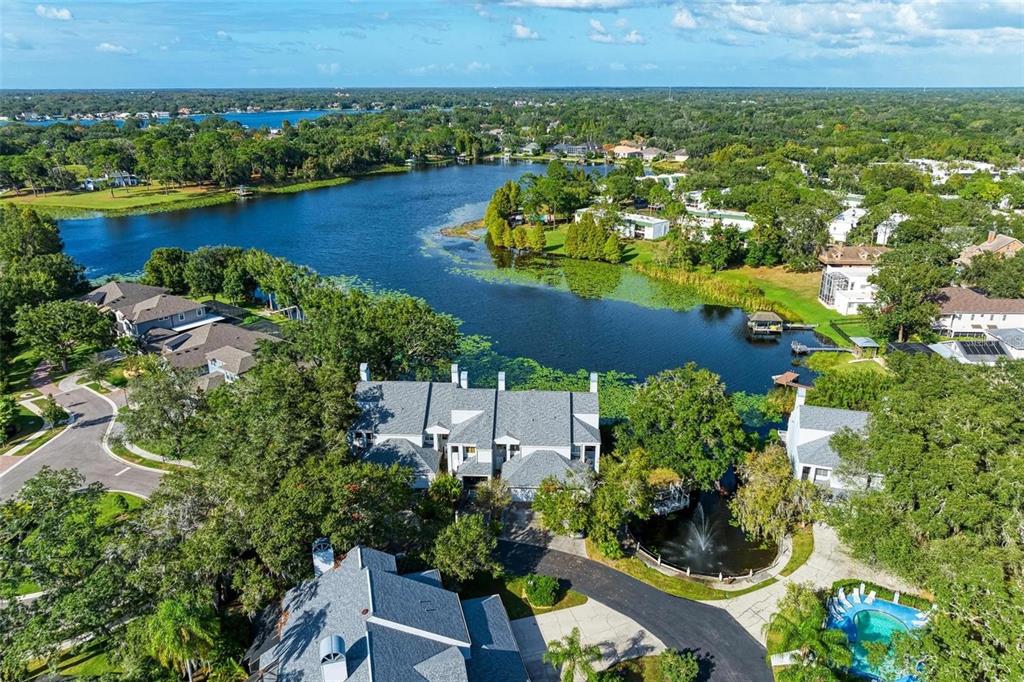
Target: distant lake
x=260, y=119
x=384, y=230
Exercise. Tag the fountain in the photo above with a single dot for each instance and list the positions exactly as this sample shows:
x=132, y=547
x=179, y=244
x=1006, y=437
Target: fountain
x=703, y=539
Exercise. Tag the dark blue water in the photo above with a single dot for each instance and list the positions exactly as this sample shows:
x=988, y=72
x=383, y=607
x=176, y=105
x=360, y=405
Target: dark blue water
x=261, y=119
x=384, y=230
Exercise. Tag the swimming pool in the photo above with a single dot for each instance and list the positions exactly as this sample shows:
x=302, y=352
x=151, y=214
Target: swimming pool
x=874, y=622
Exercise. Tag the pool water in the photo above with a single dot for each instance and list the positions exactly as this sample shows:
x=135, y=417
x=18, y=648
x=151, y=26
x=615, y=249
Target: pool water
x=872, y=626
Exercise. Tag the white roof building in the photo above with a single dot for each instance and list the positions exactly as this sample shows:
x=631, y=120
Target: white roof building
x=844, y=223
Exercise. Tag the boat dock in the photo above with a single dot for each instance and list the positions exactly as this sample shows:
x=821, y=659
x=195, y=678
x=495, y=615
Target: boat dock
x=801, y=349
x=764, y=323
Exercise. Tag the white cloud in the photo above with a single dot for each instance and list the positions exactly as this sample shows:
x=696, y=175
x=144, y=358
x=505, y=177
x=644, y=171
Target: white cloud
x=223, y=35
x=522, y=32
x=598, y=33
x=481, y=10
x=617, y=66
x=12, y=41
x=683, y=19
x=58, y=13
x=328, y=69
x=472, y=67
x=648, y=66
x=113, y=48
x=634, y=37
x=576, y=4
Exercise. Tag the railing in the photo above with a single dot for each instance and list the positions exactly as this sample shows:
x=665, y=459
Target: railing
x=650, y=557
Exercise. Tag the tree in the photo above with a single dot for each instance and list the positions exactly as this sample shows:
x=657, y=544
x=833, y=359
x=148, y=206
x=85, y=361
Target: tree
x=996, y=275
x=612, y=250
x=465, y=548
x=571, y=656
x=52, y=411
x=57, y=328
x=180, y=635
x=770, y=502
x=947, y=441
x=445, y=490
x=849, y=390
x=492, y=497
x=8, y=411
x=908, y=281
x=535, y=238
x=563, y=505
x=25, y=234
x=163, y=401
x=166, y=267
x=798, y=626
x=206, y=268
x=686, y=422
x=624, y=493
x=678, y=666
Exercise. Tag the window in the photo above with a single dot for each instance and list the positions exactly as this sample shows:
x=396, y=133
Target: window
x=805, y=474
x=181, y=317
x=822, y=475
x=470, y=451
x=199, y=312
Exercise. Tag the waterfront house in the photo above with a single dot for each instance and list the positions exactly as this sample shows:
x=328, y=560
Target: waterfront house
x=215, y=348
x=968, y=312
x=679, y=155
x=808, y=439
x=579, y=150
x=359, y=620
x=1001, y=245
x=139, y=308
x=478, y=433
x=632, y=225
x=885, y=229
x=844, y=223
x=530, y=148
x=651, y=153
x=844, y=279
x=626, y=151
x=971, y=352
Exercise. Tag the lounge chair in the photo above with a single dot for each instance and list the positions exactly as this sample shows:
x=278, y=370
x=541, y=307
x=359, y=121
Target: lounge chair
x=896, y=598
x=871, y=598
x=855, y=596
x=843, y=600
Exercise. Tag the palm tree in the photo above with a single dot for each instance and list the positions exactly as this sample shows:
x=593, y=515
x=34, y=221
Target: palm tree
x=179, y=635
x=799, y=625
x=571, y=656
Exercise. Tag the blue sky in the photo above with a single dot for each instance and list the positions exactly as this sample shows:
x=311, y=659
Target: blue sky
x=339, y=43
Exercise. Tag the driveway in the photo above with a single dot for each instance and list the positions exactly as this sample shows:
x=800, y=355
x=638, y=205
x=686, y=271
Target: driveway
x=81, y=447
x=726, y=651
x=618, y=637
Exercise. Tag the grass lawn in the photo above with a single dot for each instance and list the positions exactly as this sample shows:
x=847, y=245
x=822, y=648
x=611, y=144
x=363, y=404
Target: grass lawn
x=99, y=388
x=634, y=251
x=111, y=508
x=124, y=453
x=803, y=546
x=26, y=423
x=678, y=586
x=511, y=589
x=643, y=669
x=146, y=199
x=842, y=362
x=26, y=360
x=91, y=661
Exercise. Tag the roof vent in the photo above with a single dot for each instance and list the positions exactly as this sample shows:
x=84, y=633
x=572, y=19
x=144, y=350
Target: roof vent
x=364, y=371
x=501, y=381
x=593, y=382
x=455, y=373
x=464, y=379
x=323, y=556
x=333, y=666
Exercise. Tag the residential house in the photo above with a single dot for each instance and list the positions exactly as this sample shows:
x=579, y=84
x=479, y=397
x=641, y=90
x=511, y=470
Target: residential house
x=668, y=180
x=679, y=155
x=625, y=150
x=530, y=148
x=1001, y=245
x=981, y=352
x=478, y=433
x=885, y=229
x=212, y=348
x=808, y=439
x=651, y=153
x=967, y=312
x=844, y=223
x=844, y=280
x=1012, y=341
x=632, y=225
x=582, y=149
x=359, y=620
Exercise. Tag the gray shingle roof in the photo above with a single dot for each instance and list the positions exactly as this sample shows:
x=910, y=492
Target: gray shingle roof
x=161, y=305
x=818, y=452
x=474, y=467
x=423, y=461
x=583, y=432
x=831, y=418
x=530, y=470
x=122, y=295
x=397, y=628
x=392, y=406
x=495, y=653
x=191, y=348
x=535, y=418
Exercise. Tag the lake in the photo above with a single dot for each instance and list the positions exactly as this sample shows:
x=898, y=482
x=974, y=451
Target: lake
x=384, y=230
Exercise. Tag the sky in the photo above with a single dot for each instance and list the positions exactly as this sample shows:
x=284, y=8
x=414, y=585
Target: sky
x=545, y=43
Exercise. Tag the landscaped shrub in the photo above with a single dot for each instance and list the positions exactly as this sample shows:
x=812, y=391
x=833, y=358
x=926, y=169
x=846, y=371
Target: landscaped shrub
x=542, y=590
x=678, y=666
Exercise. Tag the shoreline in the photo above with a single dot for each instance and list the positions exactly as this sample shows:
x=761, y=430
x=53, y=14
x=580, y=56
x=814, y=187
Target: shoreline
x=195, y=196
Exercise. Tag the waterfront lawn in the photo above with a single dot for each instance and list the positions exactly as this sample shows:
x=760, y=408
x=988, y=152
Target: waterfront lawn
x=136, y=199
x=677, y=586
x=512, y=590
x=803, y=547
x=634, y=250
x=842, y=362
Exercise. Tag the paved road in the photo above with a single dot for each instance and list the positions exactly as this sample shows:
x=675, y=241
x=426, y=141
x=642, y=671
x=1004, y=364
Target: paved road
x=726, y=651
x=81, y=447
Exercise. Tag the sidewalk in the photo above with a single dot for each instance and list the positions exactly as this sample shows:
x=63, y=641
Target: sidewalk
x=827, y=564
x=618, y=636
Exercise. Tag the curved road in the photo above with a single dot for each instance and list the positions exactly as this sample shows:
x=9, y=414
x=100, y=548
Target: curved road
x=726, y=651
x=81, y=447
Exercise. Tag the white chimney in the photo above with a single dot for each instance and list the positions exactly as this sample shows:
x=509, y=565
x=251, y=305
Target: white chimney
x=801, y=396
x=464, y=379
x=501, y=381
x=991, y=236
x=455, y=373
x=593, y=382
x=333, y=666
x=323, y=556
x=364, y=371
